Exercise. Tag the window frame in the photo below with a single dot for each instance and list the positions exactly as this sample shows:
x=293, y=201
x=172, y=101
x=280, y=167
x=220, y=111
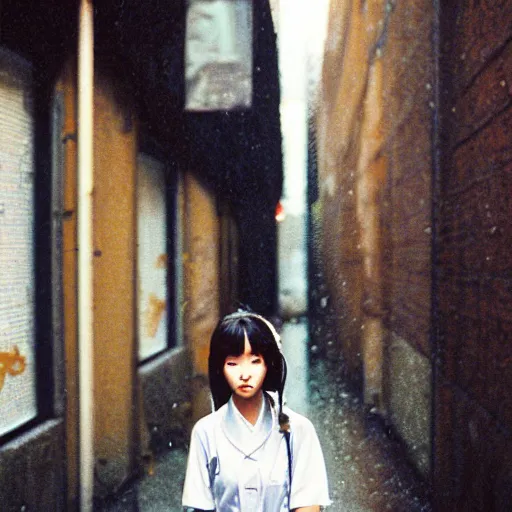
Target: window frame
x=46, y=349
x=150, y=148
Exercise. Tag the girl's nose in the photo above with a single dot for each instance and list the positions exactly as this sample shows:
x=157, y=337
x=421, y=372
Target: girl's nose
x=245, y=373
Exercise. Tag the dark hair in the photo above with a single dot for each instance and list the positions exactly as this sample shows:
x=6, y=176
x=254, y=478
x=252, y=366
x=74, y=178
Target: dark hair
x=228, y=339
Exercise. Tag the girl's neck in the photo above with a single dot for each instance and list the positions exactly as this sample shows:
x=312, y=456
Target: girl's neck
x=249, y=408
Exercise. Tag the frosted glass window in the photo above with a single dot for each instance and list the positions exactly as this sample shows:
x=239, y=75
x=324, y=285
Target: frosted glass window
x=17, y=350
x=218, y=55
x=152, y=256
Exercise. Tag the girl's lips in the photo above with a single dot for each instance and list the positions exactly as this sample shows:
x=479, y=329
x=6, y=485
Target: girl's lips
x=245, y=386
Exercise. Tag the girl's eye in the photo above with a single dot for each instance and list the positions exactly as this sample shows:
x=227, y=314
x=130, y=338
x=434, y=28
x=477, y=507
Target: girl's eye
x=256, y=361
x=231, y=363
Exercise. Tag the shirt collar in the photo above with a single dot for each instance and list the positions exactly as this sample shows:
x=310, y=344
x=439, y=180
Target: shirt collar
x=244, y=436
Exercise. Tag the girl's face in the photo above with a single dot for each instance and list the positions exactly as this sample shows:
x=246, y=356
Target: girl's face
x=245, y=373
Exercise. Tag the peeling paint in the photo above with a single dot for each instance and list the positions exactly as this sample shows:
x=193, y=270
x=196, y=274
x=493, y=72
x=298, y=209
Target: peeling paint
x=161, y=261
x=155, y=310
x=12, y=363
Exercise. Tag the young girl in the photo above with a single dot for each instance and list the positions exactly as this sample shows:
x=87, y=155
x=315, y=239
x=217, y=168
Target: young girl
x=251, y=454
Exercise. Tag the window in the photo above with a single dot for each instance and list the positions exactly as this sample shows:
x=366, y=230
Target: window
x=152, y=258
x=18, y=403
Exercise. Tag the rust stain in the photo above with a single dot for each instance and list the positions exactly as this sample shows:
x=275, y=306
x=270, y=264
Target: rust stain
x=161, y=261
x=156, y=308
x=12, y=363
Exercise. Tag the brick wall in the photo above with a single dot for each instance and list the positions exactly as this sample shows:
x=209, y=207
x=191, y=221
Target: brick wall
x=407, y=53
x=375, y=172
x=473, y=415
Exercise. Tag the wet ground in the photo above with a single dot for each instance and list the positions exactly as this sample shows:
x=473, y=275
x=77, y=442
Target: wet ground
x=366, y=467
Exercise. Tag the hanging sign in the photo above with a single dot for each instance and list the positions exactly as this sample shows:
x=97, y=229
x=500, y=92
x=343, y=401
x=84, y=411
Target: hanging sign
x=218, y=55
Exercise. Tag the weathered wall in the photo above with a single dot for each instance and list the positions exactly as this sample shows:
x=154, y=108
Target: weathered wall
x=114, y=235
x=374, y=156
x=473, y=447
x=129, y=43
x=164, y=384
x=201, y=286
x=32, y=470
x=345, y=77
x=175, y=387
x=33, y=460
x=407, y=53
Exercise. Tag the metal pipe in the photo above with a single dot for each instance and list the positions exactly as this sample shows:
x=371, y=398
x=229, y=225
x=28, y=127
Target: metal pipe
x=85, y=252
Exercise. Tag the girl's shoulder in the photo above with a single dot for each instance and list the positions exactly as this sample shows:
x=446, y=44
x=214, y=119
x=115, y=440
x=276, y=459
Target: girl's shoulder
x=207, y=423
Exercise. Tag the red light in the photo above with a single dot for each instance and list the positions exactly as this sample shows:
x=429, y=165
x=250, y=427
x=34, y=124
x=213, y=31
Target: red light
x=280, y=215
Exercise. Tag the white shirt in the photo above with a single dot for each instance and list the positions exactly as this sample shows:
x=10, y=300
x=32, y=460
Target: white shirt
x=234, y=466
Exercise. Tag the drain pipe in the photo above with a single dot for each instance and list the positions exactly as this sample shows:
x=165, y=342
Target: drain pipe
x=85, y=252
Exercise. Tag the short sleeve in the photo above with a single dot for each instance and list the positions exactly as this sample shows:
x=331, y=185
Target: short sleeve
x=309, y=476
x=196, y=490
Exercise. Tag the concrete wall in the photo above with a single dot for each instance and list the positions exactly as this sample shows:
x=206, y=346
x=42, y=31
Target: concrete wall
x=165, y=394
x=473, y=414
x=32, y=470
x=374, y=132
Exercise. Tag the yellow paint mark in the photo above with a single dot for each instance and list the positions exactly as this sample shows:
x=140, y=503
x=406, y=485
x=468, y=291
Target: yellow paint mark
x=161, y=261
x=156, y=308
x=12, y=363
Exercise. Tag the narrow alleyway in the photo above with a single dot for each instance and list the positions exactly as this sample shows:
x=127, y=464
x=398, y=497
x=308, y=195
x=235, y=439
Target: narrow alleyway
x=367, y=471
